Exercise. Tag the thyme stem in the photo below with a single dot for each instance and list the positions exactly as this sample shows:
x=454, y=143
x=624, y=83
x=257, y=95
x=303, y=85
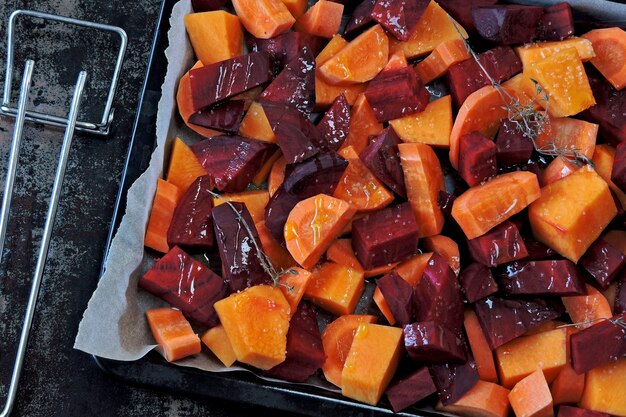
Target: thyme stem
x=617, y=322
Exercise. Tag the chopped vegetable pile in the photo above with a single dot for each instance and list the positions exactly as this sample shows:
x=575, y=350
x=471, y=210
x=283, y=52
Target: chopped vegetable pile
x=465, y=157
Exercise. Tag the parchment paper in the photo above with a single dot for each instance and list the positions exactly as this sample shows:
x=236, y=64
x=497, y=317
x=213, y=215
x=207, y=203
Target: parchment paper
x=114, y=325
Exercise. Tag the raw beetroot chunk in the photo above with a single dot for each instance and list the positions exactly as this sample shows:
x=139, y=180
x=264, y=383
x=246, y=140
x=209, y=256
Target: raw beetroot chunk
x=618, y=174
x=191, y=224
x=361, y=17
x=386, y=236
x=383, y=159
x=410, y=389
x=620, y=298
x=477, y=158
x=427, y=341
x=502, y=319
x=285, y=47
x=608, y=111
x=453, y=381
x=437, y=296
x=207, y=5
x=232, y=161
x=507, y=24
x=512, y=147
x=225, y=116
x=537, y=250
x=542, y=278
x=224, y=79
x=187, y=285
x=477, y=282
x=396, y=92
x=296, y=135
x=603, y=262
x=399, y=296
x=556, y=24
x=599, y=344
x=335, y=124
x=461, y=10
x=305, y=353
x=295, y=85
x=498, y=246
x=399, y=17
x=236, y=236
x=568, y=411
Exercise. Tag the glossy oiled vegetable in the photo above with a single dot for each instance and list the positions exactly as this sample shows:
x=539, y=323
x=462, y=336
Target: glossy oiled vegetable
x=173, y=333
x=163, y=206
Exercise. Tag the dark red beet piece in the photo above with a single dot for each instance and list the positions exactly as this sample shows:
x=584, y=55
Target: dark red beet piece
x=608, y=111
x=498, y=246
x=477, y=158
x=187, y=285
x=410, y=389
x=601, y=343
x=386, y=236
x=427, y=341
x=207, y=5
x=603, y=262
x=225, y=116
x=295, y=85
x=296, y=135
x=241, y=266
x=232, y=161
x=285, y=47
x=618, y=174
x=394, y=93
x=461, y=10
x=453, y=381
x=191, y=224
x=437, y=296
x=277, y=210
x=224, y=79
x=335, y=124
x=537, y=250
x=507, y=24
x=382, y=158
x=361, y=17
x=569, y=411
x=512, y=147
x=399, y=17
x=305, y=353
x=556, y=24
x=550, y=278
x=399, y=296
x=477, y=282
x=502, y=319
x=445, y=200
x=466, y=77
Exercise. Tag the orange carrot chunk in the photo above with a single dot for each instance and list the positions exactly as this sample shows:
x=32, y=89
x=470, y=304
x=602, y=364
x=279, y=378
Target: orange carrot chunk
x=531, y=397
x=363, y=124
x=296, y=7
x=609, y=46
x=485, y=399
x=255, y=124
x=587, y=308
x=480, y=348
x=277, y=175
x=215, y=35
x=424, y=179
x=173, y=333
x=337, y=340
x=313, y=224
x=484, y=206
x=445, y=247
x=165, y=201
x=441, y=59
x=293, y=284
x=217, y=341
x=371, y=363
x=264, y=18
x=605, y=390
x=323, y=19
x=256, y=322
x=255, y=202
x=432, y=126
x=603, y=160
x=335, y=288
x=280, y=257
x=571, y=134
x=184, y=166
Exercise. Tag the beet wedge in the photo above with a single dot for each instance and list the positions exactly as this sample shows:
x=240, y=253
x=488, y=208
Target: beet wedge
x=399, y=17
x=461, y=10
x=608, y=111
x=399, y=296
x=297, y=136
x=187, y=285
x=225, y=117
x=295, y=85
x=383, y=159
x=192, y=225
x=430, y=342
x=601, y=343
x=507, y=24
x=232, y=161
x=556, y=24
x=603, y=262
x=409, y=389
x=512, y=147
x=477, y=282
x=361, y=17
x=500, y=245
x=549, y=278
x=454, y=380
x=477, y=158
x=335, y=125
x=286, y=47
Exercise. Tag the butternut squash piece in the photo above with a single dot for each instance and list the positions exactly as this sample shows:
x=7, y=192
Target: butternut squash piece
x=264, y=18
x=255, y=124
x=603, y=159
x=293, y=284
x=184, y=167
x=445, y=55
x=255, y=202
x=335, y=288
x=432, y=126
x=215, y=35
x=605, y=390
x=535, y=52
x=363, y=124
x=323, y=19
x=531, y=397
x=485, y=399
x=217, y=341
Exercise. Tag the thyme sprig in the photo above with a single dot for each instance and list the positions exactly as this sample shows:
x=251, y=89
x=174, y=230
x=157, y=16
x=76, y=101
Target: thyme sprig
x=617, y=322
x=526, y=118
x=264, y=260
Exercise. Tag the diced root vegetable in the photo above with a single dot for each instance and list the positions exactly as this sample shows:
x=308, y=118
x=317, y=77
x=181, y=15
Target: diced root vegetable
x=432, y=126
x=557, y=23
x=609, y=46
x=173, y=333
x=535, y=52
x=477, y=158
x=335, y=125
x=602, y=343
x=605, y=390
x=429, y=342
x=486, y=399
x=217, y=341
x=507, y=24
x=544, y=277
x=363, y=124
x=604, y=163
x=557, y=169
x=323, y=19
x=454, y=381
x=264, y=18
x=603, y=261
x=277, y=175
x=184, y=168
x=296, y=7
x=570, y=134
x=383, y=159
x=255, y=202
x=215, y=35
x=165, y=201
x=500, y=245
x=293, y=284
x=568, y=386
x=255, y=124
x=446, y=247
x=191, y=224
x=410, y=389
x=445, y=55
x=394, y=288
x=480, y=348
x=279, y=256
x=184, y=101
x=477, y=282
x=399, y=17
x=531, y=397
x=295, y=134
x=335, y=288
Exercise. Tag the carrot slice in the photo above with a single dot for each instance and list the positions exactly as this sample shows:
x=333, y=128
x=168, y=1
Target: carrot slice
x=337, y=339
x=605, y=390
x=535, y=52
x=277, y=175
x=363, y=124
x=572, y=134
x=293, y=285
x=432, y=126
x=557, y=169
x=531, y=397
x=255, y=202
x=360, y=60
x=424, y=180
x=165, y=201
x=215, y=35
x=610, y=47
x=445, y=247
x=186, y=107
x=441, y=59
x=323, y=19
x=341, y=252
x=264, y=172
x=603, y=159
x=485, y=399
x=296, y=7
x=264, y=18
x=279, y=256
x=173, y=333
x=480, y=348
x=255, y=124
x=482, y=112
x=588, y=307
x=359, y=187
x=312, y=225
x=184, y=167
x=485, y=206
x=217, y=341
x=335, y=288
